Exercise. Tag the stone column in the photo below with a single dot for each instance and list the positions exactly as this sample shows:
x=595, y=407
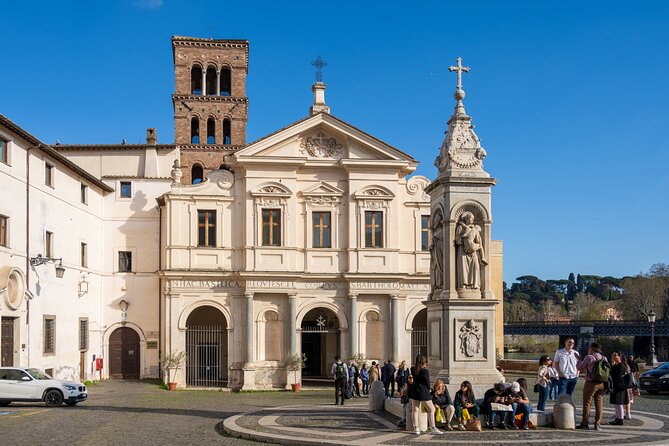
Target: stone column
x=353, y=323
x=249, y=327
x=204, y=81
x=218, y=82
x=292, y=322
x=394, y=321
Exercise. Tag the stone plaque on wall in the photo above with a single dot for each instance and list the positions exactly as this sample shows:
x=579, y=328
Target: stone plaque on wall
x=151, y=345
x=435, y=339
x=470, y=339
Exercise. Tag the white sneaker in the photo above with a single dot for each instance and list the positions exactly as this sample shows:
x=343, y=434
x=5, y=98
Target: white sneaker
x=416, y=431
x=628, y=417
x=435, y=431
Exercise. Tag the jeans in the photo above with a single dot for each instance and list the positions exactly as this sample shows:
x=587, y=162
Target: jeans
x=390, y=388
x=339, y=389
x=523, y=408
x=553, y=391
x=355, y=389
x=593, y=390
x=473, y=411
x=543, y=397
x=567, y=385
x=365, y=386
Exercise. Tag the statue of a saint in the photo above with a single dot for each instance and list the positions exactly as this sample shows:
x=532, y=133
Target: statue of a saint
x=469, y=254
x=437, y=254
x=470, y=338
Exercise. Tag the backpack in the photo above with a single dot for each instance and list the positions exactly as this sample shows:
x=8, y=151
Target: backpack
x=341, y=372
x=601, y=370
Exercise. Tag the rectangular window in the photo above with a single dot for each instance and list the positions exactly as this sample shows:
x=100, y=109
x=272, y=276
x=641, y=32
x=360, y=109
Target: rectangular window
x=49, y=334
x=4, y=232
x=373, y=229
x=126, y=189
x=48, y=244
x=84, y=255
x=425, y=233
x=124, y=261
x=321, y=230
x=84, y=194
x=271, y=227
x=4, y=148
x=83, y=334
x=48, y=174
x=206, y=228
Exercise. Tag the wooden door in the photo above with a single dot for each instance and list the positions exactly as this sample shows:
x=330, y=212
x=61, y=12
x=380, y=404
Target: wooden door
x=124, y=354
x=7, y=347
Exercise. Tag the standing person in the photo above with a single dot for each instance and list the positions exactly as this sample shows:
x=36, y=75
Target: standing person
x=388, y=374
x=340, y=373
x=420, y=396
x=364, y=377
x=442, y=400
x=553, y=374
x=353, y=375
x=517, y=397
x=565, y=364
x=634, y=371
x=373, y=372
x=619, y=396
x=543, y=380
x=402, y=375
x=465, y=399
x=593, y=387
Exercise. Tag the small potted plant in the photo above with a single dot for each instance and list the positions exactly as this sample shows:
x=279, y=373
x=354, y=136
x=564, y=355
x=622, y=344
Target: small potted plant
x=295, y=362
x=172, y=362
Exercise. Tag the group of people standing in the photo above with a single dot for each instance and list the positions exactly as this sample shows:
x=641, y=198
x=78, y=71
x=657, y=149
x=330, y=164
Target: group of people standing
x=354, y=381
x=617, y=376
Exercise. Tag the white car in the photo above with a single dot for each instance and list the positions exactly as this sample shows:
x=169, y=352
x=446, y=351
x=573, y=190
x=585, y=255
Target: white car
x=19, y=384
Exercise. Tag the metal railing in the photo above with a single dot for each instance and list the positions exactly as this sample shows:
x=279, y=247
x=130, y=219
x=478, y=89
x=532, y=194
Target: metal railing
x=206, y=346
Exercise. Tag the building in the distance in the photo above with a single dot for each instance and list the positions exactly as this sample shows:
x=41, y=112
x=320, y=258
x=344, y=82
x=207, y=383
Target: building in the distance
x=313, y=239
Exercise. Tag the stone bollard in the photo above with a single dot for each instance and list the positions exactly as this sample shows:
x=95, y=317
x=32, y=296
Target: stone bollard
x=563, y=413
x=377, y=396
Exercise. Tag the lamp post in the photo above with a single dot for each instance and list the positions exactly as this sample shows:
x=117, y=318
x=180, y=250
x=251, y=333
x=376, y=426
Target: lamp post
x=651, y=319
x=41, y=260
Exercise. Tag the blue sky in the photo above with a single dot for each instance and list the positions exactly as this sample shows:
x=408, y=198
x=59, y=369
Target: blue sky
x=569, y=98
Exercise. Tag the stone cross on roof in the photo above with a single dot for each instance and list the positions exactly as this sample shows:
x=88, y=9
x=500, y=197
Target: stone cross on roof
x=319, y=64
x=459, y=68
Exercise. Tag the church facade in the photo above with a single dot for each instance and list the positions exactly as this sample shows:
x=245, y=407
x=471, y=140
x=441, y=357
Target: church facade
x=314, y=239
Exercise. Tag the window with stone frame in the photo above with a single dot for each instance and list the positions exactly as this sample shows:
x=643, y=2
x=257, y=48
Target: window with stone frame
x=4, y=151
x=321, y=229
x=4, y=230
x=83, y=334
x=373, y=229
x=84, y=193
x=125, y=261
x=48, y=244
x=126, y=189
x=84, y=255
x=49, y=335
x=425, y=233
x=48, y=174
x=206, y=228
x=271, y=227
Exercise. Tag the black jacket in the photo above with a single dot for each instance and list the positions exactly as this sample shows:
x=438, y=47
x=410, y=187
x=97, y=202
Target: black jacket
x=443, y=400
x=421, y=386
x=619, y=393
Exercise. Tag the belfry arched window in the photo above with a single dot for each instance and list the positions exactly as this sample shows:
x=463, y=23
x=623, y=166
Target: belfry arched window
x=211, y=81
x=196, y=174
x=211, y=131
x=196, y=80
x=195, y=131
x=227, y=136
x=226, y=82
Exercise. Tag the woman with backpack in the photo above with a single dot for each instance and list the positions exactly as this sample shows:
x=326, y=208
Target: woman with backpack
x=596, y=368
x=622, y=380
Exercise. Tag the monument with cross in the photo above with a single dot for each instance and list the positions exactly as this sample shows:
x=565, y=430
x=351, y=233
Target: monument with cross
x=319, y=89
x=461, y=306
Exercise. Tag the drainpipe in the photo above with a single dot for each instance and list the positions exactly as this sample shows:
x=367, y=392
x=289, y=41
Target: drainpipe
x=28, y=249
x=160, y=297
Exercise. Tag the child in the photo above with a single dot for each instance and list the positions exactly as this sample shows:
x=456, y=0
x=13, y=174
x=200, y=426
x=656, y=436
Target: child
x=404, y=399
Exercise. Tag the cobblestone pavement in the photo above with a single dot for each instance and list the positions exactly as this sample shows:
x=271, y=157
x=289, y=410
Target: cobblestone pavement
x=133, y=413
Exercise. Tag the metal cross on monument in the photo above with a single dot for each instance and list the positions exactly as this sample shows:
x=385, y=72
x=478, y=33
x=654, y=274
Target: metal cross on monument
x=459, y=68
x=319, y=64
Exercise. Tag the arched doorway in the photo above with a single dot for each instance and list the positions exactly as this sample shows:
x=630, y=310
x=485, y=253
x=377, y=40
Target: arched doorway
x=207, y=348
x=419, y=334
x=124, y=354
x=320, y=341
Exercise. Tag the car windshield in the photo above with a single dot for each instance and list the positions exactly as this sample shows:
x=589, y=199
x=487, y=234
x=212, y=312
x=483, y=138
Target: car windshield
x=38, y=374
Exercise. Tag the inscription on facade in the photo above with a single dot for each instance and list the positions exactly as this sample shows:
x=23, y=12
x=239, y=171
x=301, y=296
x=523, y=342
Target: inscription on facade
x=291, y=284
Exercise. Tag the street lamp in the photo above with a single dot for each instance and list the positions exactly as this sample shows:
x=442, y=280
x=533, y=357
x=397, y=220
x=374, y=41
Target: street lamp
x=40, y=260
x=651, y=319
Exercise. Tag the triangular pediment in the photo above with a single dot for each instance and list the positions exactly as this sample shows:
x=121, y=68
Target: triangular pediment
x=322, y=189
x=321, y=138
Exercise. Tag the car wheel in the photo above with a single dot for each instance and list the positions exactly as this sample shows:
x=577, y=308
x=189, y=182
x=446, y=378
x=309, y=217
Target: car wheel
x=5, y=403
x=53, y=398
x=653, y=392
x=71, y=403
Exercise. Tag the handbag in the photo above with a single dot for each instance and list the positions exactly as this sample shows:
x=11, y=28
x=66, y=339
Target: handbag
x=465, y=415
x=537, y=388
x=474, y=424
x=438, y=415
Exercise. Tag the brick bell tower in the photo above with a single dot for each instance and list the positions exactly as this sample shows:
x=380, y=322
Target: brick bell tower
x=210, y=103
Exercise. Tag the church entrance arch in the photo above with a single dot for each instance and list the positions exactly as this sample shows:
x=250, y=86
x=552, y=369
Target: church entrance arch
x=207, y=348
x=320, y=341
x=419, y=334
x=124, y=354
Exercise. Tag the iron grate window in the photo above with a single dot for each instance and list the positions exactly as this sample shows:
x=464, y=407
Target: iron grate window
x=83, y=335
x=49, y=334
x=4, y=236
x=124, y=261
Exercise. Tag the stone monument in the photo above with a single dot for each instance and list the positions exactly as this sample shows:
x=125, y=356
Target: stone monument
x=461, y=305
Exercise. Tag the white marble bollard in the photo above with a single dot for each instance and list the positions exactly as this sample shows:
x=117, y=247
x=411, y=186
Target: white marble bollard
x=377, y=396
x=563, y=413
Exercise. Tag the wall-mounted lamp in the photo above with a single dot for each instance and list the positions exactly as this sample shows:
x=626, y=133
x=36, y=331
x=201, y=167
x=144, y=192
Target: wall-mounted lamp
x=124, y=308
x=40, y=260
x=83, y=284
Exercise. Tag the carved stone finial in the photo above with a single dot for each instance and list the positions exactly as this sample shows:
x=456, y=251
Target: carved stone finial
x=176, y=173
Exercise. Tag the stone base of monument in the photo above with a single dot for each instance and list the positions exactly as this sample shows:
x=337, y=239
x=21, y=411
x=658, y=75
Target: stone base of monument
x=377, y=396
x=480, y=380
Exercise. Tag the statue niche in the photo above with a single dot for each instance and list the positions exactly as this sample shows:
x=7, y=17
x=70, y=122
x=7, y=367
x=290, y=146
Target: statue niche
x=469, y=254
x=437, y=252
